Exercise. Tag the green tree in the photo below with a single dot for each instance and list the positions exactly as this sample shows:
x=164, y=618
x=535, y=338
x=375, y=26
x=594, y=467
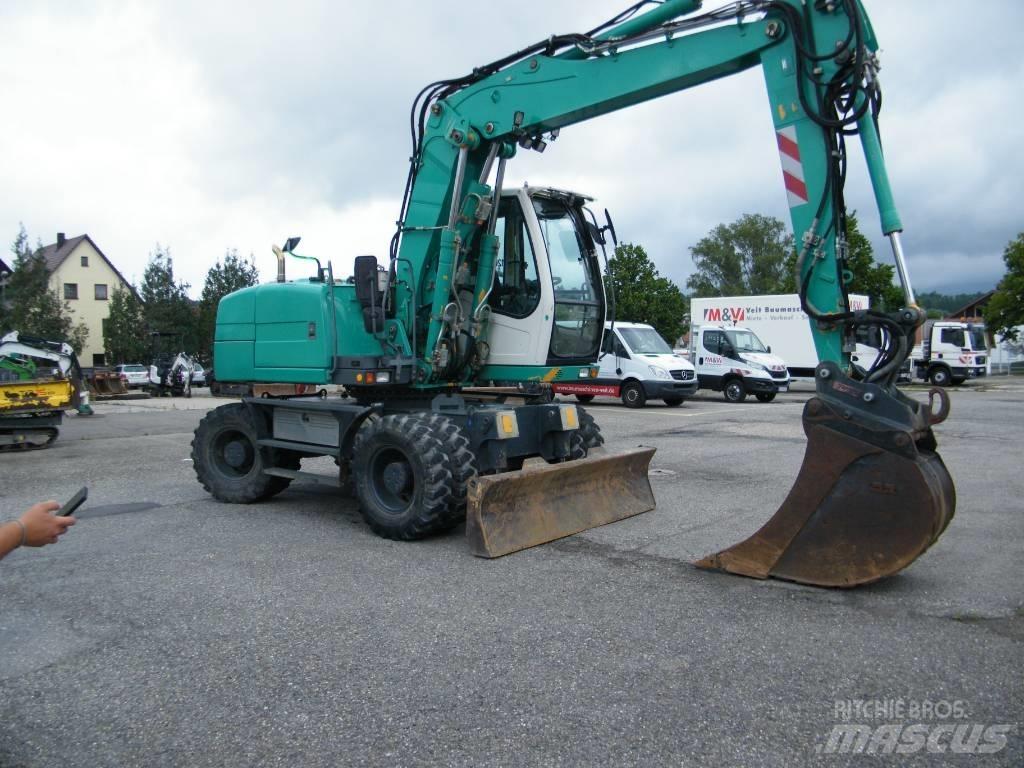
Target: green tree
x=745, y=258
x=643, y=296
x=1005, y=309
x=34, y=309
x=121, y=338
x=223, y=278
x=167, y=307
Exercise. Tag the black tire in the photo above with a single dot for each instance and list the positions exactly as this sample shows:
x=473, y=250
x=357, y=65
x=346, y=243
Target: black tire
x=632, y=394
x=462, y=463
x=765, y=397
x=228, y=462
x=591, y=431
x=673, y=402
x=403, y=477
x=584, y=398
x=940, y=376
x=734, y=391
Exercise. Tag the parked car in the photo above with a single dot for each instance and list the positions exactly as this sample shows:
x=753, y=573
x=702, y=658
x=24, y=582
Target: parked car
x=199, y=376
x=133, y=374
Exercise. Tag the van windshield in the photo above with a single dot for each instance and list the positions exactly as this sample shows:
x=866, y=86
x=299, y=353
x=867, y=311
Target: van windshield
x=644, y=341
x=745, y=341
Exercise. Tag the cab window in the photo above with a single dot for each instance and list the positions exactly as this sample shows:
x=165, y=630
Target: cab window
x=516, y=290
x=954, y=336
x=579, y=306
x=713, y=342
x=612, y=346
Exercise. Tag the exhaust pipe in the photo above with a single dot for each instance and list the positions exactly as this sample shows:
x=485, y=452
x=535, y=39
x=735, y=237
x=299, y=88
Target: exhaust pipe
x=280, y=262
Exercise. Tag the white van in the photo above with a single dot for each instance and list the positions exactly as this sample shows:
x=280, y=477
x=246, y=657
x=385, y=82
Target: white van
x=733, y=361
x=637, y=365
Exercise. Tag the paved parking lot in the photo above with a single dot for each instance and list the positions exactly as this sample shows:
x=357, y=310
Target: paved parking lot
x=168, y=629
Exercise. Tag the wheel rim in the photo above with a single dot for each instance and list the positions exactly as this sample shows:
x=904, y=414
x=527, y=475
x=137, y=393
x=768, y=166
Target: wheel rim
x=234, y=454
x=733, y=391
x=632, y=395
x=392, y=480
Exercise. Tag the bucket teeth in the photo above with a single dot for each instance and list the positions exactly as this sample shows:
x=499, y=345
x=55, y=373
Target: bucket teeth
x=543, y=502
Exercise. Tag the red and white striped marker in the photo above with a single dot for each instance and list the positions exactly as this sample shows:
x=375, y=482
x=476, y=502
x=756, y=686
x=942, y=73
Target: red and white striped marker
x=792, y=167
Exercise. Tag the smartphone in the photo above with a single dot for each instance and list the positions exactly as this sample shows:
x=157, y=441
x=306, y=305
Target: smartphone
x=75, y=502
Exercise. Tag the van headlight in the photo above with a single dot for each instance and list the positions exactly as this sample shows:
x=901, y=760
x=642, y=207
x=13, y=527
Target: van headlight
x=659, y=373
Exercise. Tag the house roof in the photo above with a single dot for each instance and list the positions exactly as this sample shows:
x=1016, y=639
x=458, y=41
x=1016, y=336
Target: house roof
x=971, y=308
x=4, y=267
x=55, y=254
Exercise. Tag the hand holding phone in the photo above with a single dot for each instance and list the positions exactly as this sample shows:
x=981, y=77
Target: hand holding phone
x=74, y=503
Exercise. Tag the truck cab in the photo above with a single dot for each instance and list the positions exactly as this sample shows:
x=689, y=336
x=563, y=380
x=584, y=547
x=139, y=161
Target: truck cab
x=735, y=362
x=636, y=365
x=950, y=352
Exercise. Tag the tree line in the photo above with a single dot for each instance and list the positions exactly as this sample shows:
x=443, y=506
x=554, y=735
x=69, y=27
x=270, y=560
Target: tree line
x=160, y=303
x=754, y=255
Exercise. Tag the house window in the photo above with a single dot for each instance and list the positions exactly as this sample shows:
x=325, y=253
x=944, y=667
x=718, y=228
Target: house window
x=70, y=291
x=99, y=360
x=85, y=261
x=101, y=292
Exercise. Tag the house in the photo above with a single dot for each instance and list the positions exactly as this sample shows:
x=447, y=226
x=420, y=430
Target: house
x=972, y=311
x=86, y=279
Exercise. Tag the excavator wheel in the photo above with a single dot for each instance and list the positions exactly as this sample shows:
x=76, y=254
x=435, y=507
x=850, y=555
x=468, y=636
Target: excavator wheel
x=461, y=462
x=403, y=477
x=871, y=497
x=228, y=461
x=590, y=430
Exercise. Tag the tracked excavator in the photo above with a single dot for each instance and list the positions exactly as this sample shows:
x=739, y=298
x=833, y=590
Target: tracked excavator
x=488, y=295
x=39, y=380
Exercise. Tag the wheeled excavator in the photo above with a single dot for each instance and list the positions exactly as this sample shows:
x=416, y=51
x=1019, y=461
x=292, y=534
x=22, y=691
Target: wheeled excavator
x=488, y=295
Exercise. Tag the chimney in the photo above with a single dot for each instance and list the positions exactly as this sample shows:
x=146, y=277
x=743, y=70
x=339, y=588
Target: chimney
x=60, y=240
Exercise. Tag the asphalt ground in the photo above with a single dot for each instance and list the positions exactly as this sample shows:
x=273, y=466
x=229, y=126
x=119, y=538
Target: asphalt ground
x=167, y=629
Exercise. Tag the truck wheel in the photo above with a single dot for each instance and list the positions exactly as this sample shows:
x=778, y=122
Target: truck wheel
x=734, y=391
x=765, y=397
x=672, y=402
x=633, y=395
x=403, y=477
x=584, y=398
x=462, y=463
x=590, y=430
x=228, y=462
x=940, y=377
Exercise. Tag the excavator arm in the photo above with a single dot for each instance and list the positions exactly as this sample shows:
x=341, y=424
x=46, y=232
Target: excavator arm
x=872, y=494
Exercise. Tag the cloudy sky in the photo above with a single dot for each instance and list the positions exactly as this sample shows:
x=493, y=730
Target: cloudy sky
x=206, y=126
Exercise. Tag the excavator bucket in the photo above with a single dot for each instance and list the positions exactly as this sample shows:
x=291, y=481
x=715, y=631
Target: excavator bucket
x=872, y=494
x=543, y=502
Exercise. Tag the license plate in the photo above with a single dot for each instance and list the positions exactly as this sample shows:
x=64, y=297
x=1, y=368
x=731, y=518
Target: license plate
x=784, y=388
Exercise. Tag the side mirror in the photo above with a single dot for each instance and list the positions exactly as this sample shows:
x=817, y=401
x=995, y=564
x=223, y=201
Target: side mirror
x=610, y=226
x=769, y=349
x=291, y=244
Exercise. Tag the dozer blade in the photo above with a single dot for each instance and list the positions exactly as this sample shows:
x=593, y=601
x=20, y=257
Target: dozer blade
x=872, y=495
x=543, y=502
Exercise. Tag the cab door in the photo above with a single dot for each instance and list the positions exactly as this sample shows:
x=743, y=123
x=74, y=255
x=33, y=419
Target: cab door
x=711, y=362
x=518, y=333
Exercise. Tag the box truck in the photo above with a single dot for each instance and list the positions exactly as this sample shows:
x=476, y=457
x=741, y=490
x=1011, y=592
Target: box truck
x=778, y=321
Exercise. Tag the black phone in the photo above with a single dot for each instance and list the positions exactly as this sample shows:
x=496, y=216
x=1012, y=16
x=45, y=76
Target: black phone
x=75, y=502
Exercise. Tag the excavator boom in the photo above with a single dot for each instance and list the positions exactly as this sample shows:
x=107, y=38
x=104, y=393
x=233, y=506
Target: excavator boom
x=872, y=494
